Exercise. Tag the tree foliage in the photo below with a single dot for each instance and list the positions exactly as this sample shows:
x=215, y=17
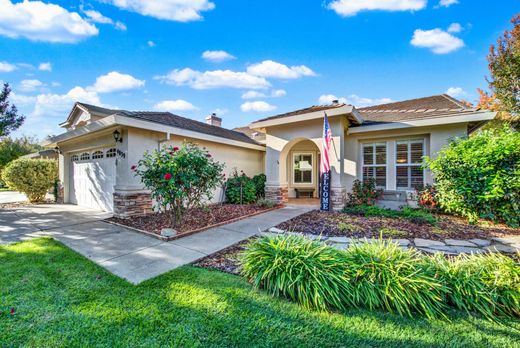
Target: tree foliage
x=34, y=177
x=11, y=149
x=504, y=66
x=9, y=118
x=479, y=176
x=179, y=178
x=240, y=189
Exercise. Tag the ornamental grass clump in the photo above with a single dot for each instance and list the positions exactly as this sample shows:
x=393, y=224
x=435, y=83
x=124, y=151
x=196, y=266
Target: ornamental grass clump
x=488, y=284
x=305, y=271
x=384, y=276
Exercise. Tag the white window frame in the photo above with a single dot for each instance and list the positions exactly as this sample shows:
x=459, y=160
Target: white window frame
x=409, y=163
x=85, y=156
x=313, y=166
x=374, y=144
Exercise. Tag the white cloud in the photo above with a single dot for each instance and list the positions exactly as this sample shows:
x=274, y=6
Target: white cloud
x=54, y=104
x=437, y=40
x=150, y=43
x=21, y=100
x=448, y=3
x=30, y=85
x=269, y=68
x=257, y=106
x=347, y=8
x=214, y=79
x=39, y=21
x=115, y=81
x=174, y=10
x=353, y=99
x=278, y=93
x=456, y=92
x=7, y=67
x=45, y=66
x=217, y=56
x=253, y=95
x=174, y=105
x=454, y=28
x=97, y=17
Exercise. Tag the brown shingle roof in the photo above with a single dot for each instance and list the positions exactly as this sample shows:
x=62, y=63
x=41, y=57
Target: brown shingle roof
x=304, y=111
x=414, y=109
x=170, y=119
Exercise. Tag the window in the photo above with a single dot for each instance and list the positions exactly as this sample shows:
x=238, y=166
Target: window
x=84, y=156
x=97, y=154
x=374, y=163
x=303, y=168
x=74, y=158
x=409, y=171
x=111, y=153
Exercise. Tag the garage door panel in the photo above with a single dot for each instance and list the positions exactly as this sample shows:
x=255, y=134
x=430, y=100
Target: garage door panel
x=92, y=183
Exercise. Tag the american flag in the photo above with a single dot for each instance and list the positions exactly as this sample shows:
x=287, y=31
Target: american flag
x=327, y=139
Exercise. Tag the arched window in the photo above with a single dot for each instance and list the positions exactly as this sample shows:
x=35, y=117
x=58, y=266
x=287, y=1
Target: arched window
x=85, y=156
x=111, y=153
x=74, y=158
x=97, y=154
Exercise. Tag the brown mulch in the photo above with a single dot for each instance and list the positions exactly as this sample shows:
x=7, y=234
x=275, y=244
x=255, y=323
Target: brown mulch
x=225, y=260
x=334, y=224
x=194, y=219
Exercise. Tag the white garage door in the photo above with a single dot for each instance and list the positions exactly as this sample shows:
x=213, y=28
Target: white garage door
x=92, y=179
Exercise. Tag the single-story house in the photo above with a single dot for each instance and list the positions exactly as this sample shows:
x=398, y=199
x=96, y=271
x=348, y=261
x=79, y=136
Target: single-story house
x=385, y=142
x=43, y=154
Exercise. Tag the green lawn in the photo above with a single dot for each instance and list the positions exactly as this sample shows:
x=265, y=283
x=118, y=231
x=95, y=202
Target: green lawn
x=62, y=299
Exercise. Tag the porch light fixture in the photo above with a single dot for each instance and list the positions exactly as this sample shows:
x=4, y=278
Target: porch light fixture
x=57, y=150
x=117, y=136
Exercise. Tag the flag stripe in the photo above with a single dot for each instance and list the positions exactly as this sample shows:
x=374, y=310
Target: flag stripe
x=327, y=139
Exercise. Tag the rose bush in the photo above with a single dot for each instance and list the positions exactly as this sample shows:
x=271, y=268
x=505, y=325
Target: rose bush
x=179, y=178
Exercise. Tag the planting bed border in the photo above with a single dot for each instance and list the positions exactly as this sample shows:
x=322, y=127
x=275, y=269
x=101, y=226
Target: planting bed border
x=200, y=229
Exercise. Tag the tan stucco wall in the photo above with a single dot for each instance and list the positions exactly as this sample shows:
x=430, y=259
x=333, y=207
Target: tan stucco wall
x=435, y=138
x=305, y=146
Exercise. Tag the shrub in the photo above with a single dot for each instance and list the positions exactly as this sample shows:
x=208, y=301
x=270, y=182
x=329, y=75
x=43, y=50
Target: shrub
x=479, y=176
x=179, y=178
x=364, y=193
x=414, y=215
x=259, y=181
x=265, y=203
x=305, y=271
x=240, y=189
x=392, y=232
x=426, y=198
x=384, y=276
x=485, y=283
x=34, y=177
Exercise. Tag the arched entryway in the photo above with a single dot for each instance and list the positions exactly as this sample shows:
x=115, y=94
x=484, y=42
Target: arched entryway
x=299, y=171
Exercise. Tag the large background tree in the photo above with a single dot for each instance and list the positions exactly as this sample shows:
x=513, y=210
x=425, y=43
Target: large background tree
x=9, y=118
x=504, y=67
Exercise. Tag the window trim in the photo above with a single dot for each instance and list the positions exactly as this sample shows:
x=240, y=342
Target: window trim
x=409, y=163
x=84, y=159
x=373, y=144
x=111, y=154
x=98, y=154
x=313, y=170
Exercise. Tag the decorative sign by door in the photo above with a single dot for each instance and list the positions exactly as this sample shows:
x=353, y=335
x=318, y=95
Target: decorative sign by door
x=325, y=191
x=325, y=166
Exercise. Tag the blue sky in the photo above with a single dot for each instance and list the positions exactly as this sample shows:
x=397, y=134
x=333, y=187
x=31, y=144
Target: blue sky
x=262, y=57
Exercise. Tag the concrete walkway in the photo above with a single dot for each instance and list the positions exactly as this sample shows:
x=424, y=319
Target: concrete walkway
x=12, y=197
x=128, y=254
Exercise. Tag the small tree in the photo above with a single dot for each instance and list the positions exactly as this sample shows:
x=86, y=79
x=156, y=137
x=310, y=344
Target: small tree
x=34, y=177
x=504, y=66
x=179, y=178
x=9, y=118
x=11, y=149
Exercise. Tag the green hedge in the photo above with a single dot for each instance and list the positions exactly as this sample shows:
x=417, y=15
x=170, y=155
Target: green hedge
x=381, y=275
x=419, y=216
x=34, y=177
x=479, y=176
x=242, y=189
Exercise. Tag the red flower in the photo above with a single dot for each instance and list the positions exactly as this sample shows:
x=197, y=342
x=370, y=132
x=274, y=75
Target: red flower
x=167, y=177
x=12, y=311
x=175, y=148
x=133, y=168
x=208, y=155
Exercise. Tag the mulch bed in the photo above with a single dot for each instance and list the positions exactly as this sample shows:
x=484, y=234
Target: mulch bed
x=194, y=219
x=225, y=260
x=335, y=224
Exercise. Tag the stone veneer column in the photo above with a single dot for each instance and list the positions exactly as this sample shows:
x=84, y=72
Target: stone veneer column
x=130, y=204
x=277, y=194
x=337, y=197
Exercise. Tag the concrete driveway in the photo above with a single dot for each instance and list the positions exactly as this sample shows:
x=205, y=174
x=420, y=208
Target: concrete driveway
x=12, y=197
x=128, y=254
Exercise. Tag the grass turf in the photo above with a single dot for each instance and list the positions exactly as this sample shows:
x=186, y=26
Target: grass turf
x=62, y=299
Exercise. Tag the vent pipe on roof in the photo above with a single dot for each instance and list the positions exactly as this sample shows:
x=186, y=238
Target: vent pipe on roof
x=214, y=120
